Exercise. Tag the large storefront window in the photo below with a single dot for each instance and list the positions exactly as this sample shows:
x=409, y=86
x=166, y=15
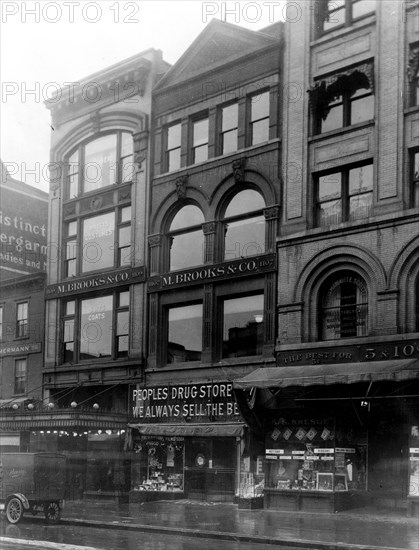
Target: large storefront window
x=104, y=161
x=344, y=308
x=244, y=225
x=186, y=239
x=96, y=327
x=414, y=461
x=185, y=333
x=315, y=455
x=98, y=242
x=243, y=326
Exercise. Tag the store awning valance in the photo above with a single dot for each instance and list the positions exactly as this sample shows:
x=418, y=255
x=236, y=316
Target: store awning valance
x=324, y=375
x=7, y=403
x=191, y=430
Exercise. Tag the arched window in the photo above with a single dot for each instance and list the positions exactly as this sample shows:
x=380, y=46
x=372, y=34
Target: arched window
x=244, y=225
x=103, y=161
x=344, y=307
x=186, y=238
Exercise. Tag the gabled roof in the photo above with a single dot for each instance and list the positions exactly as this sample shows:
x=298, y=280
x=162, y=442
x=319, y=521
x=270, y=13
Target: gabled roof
x=219, y=43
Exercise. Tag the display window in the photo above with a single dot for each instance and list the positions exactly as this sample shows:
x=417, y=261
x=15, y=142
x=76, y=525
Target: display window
x=252, y=477
x=159, y=465
x=414, y=461
x=315, y=455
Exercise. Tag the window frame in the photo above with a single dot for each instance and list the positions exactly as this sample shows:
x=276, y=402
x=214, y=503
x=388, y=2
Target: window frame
x=414, y=179
x=171, y=234
x=22, y=379
x=347, y=9
x=193, y=148
x=345, y=195
x=193, y=301
x=78, y=248
x=22, y=323
x=79, y=169
x=251, y=122
x=76, y=320
x=1, y=322
x=222, y=133
x=168, y=150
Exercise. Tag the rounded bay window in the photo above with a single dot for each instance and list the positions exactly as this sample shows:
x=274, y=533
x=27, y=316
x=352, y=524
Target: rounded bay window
x=186, y=238
x=343, y=311
x=244, y=225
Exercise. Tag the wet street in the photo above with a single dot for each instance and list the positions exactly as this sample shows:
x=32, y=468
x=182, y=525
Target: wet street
x=33, y=534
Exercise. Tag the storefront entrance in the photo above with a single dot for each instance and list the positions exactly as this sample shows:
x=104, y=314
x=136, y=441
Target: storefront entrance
x=210, y=468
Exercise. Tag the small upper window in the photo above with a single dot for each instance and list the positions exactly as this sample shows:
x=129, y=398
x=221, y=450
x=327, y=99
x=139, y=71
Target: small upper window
x=20, y=376
x=341, y=13
x=244, y=225
x=343, y=99
x=229, y=128
x=22, y=320
x=186, y=238
x=259, y=118
x=200, y=140
x=104, y=161
x=344, y=307
x=173, y=149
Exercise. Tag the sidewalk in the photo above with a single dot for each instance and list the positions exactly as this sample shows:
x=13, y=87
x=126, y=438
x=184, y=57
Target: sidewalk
x=355, y=529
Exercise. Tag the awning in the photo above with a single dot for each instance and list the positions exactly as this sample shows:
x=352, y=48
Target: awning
x=7, y=403
x=324, y=375
x=190, y=430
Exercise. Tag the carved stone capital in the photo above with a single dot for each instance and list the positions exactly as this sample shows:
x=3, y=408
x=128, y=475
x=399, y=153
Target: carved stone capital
x=209, y=228
x=271, y=213
x=155, y=240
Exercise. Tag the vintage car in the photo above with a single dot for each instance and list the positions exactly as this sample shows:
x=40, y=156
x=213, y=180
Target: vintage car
x=32, y=482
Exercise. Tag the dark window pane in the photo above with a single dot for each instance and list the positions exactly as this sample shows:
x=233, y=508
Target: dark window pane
x=185, y=334
x=244, y=238
x=98, y=242
x=96, y=327
x=68, y=335
x=245, y=202
x=362, y=109
x=360, y=179
x=187, y=250
x=188, y=216
x=100, y=163
x=334, y=119
x=243, y=326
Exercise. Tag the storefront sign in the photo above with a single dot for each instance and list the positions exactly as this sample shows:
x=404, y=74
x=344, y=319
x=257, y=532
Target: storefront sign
x=219, y=272
x=406, y=349
x=199, y=403
x=96, y=282
x=19, y=349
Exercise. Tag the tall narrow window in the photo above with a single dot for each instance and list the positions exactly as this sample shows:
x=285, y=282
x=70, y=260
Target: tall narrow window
x=259, y=118
x=199, y=140
x=68, y=331
x=20, y=376
x=184, y=333
x=122, y=324
x=243, y=326
x=98, y=242
x=96, y=327
x=244, y=225
x=344, y=308
x=124, y=236
x=173, y=147
x=186, y=238
x=22, y=320
x=229, y=128
x=1, y=324
x=415, y=179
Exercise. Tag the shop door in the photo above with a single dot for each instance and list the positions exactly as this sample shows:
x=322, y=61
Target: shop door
x=210, y=468
x=388, y=464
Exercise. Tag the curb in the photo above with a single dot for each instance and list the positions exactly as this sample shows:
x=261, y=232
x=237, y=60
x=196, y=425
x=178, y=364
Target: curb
x=236, y=537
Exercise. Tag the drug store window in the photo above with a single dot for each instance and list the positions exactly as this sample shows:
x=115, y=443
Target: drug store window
x=104, y=161
x=96, y=327
x=98, y=242
x=158, y=464
x=315, y=455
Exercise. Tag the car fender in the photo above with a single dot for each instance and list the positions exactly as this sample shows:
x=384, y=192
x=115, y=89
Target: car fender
x=22, y=498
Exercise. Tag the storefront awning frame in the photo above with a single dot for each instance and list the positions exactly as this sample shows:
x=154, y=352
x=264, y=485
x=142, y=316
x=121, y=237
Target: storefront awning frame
x=399, y=370
x=233, y=429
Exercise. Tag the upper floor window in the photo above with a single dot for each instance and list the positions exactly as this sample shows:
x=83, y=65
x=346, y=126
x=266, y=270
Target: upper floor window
x=415, y=178
x=98, y=242
x=413, y=74
x=22, y=320
x=259, y=118
x=338, y=13
x=200, y=140
x=104, y=161
x=343, y=307
x=173, y=149
x=184, y=333
x=96, y=327
x=1, y=323
x=186, y=238
x=229, y=128
x=343, y=99
x=345, y=195
x=244, y=225
x=243, y=326
x=20, y=376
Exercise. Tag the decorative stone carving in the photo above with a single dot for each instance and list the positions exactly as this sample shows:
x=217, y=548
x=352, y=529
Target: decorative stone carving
x=271, y=213
x=209, y=228
x=238, y=167
x=155, y=240
x=96, y=203
x=181, y=182
x=95, y=120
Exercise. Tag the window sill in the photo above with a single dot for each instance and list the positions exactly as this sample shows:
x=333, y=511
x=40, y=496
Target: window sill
x=412, y=109
x=341, y=131
x=21, y=338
